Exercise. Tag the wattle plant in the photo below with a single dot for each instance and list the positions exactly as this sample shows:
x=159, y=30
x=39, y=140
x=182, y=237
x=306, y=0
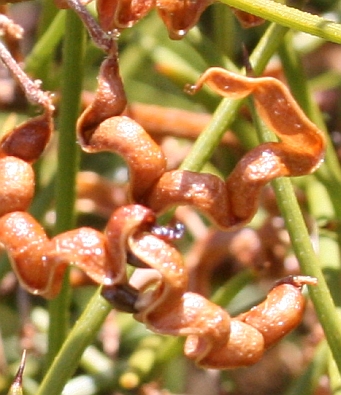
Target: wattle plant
x=192, y=241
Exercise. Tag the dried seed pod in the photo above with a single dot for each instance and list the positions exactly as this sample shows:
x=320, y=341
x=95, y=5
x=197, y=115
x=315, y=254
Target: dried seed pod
x=123, y=223
x=214, y=340
x=122, y=14
x=40, y=263
x=180, y=16
x=188, y=315
x=231, y=203
x=300, y=152
x=281, y=311
x=28, y=140
x=206, y=192
x=109, y=101
x=99, y=129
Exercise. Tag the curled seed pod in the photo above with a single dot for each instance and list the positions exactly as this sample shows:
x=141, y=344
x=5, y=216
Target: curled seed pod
x=206, y=192
x=122, y=14
x=166, y=259
x=214, y=340
x=123, y=223
x=281, y=311
x=16, y=185
x=187, y=315
x=300, y=152
x=99, y=129
x=86, y=249
x=231, y=203
x=167, y=308
x=28, y=140
x=40, y=263
x=180, y=16
x=109, y=101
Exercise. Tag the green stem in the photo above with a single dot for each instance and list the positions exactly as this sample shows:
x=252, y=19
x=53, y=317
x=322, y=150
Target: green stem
x=334, y=375
x=290, y=17
x=309, y=263
x=68, y=158
x=81, y=335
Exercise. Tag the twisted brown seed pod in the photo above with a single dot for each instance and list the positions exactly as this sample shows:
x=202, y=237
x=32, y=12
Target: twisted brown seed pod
x=97, y=132
x=230, y=203
x=28, y=140
x=40, y=262
x=282, y=309
x=302, y=144
x=121, y=14
x=214, y=341
x=178, y=16
x=110, y=98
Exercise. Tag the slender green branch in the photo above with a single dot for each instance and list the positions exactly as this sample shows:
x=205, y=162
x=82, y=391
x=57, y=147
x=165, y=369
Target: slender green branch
x=309, y=263
x=67, y=164
x=81, y=335
x=290, y=17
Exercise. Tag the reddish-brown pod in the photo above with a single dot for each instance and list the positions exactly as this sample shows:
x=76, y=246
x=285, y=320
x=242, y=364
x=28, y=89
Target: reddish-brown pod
x=28, y=140
x=180, y=16
x=281, y=311
x=121, y=14
x=110, y=100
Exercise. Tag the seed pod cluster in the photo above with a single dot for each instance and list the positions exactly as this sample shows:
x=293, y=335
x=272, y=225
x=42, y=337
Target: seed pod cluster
x=164, y=304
